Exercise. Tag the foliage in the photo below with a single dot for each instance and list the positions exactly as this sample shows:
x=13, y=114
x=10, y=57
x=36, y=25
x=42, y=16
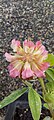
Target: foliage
x=34, y=103
x=12, y=97
x=50, y=59
x=50, y=74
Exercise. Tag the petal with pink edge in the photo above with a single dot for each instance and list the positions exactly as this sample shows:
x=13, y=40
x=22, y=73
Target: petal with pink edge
x=15, y=44
x=28, y=43
x=45, y=54
x=39, y=73
x=27, y=73
x=14, y=73
x=38, y=44
x=45, y=66
x=28, y=46
x=9, y=57
x=10, y=67
x=15, y=68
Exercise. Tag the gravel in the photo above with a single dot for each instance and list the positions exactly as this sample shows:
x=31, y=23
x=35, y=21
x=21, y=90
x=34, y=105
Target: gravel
x=20, y=19
x=1, y=118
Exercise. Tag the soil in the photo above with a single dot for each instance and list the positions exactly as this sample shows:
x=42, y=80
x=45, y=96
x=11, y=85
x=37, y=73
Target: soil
x=26, y=114
x=20, y=19
x=19, y=110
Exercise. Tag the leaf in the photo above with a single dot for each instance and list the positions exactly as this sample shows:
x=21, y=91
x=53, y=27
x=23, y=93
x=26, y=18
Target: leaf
x=45, y=105
x=50, y=59
x=50, y=75
x=34, y=103
x=12, y=97
x=50, y=86
x=48, y=118
x=52, y=69
x=50, y=97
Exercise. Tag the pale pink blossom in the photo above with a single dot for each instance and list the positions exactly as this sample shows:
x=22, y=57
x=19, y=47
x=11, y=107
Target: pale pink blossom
x=27, y=61
x=15, y=44
x=27, y=72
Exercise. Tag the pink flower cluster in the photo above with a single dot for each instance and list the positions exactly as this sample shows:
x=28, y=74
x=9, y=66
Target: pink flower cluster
x=27, y=61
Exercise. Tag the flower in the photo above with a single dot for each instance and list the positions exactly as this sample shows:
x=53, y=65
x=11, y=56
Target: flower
x=27, y=61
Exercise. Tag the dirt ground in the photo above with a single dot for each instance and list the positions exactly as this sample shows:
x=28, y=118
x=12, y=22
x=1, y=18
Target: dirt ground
x=20, y=19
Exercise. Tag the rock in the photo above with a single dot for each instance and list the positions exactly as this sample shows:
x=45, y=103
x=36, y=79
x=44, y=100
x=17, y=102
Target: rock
x=20, y=19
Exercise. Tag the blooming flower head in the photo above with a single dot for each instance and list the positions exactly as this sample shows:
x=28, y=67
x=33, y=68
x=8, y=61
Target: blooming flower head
x=27, y=61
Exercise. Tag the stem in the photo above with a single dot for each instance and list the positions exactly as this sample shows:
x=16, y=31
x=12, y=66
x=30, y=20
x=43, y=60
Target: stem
x=44, y=92
x=43, y=86
x=51, y=111
x=27, y=83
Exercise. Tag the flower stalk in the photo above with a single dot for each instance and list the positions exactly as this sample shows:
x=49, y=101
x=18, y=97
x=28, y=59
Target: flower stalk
x=28, y=61
x=44, y=92
x=27, y=83
x=42, y=85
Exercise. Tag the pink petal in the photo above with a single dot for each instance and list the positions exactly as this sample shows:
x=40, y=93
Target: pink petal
x=39, y=73
x=40, y=52
x=45, y=66
x=45, y=54
x=38, y=44
x=15, y=44
x=27, y=73
x=15, y=68
x=10, y=67
x=40, y=49
x=9, y=57
x=28, y=43
x=14, y=73
x=28, y=46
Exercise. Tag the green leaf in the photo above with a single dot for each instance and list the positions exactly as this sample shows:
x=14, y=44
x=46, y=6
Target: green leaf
x=52, y=69
x=12, y=97
x=50, y=86
x=50, y=75
x=48, y=118
x=50, y=97
x=50, y=59
x=45, y=105
x=34, y=103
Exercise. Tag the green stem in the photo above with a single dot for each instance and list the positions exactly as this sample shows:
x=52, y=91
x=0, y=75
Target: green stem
x=51, y=111
x=42, y=84
x=27, y=83
x=44, y=92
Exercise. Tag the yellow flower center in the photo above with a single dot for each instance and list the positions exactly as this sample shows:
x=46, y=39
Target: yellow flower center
x=28, y=57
